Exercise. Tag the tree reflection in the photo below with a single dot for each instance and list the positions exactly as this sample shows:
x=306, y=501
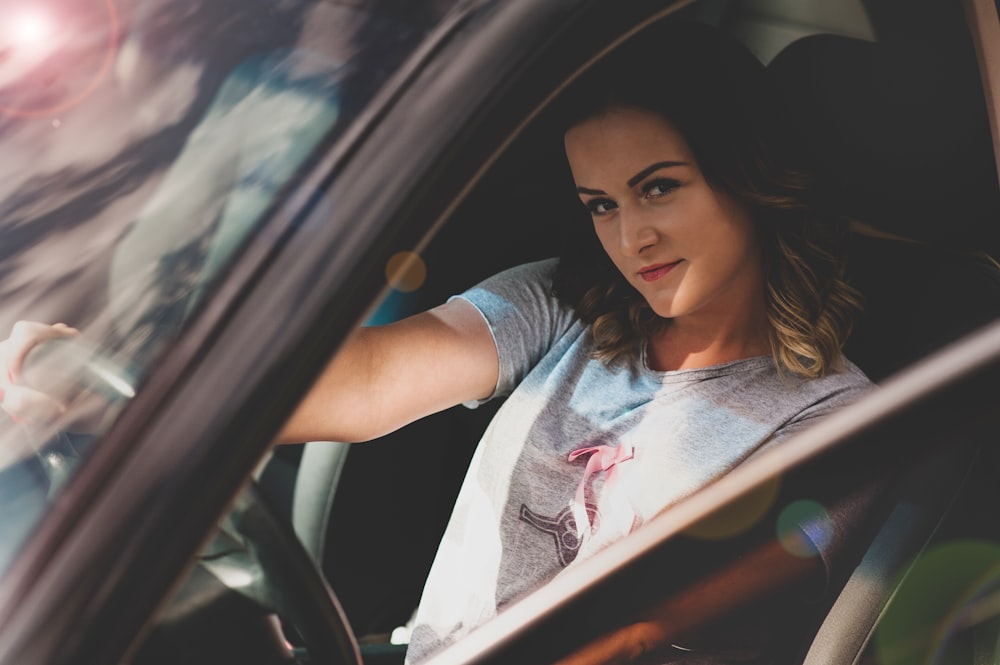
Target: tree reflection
x=115, y=214
x=61, y=196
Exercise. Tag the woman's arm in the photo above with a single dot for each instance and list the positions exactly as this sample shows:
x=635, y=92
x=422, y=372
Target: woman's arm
x=387, y=376
x=381, y=379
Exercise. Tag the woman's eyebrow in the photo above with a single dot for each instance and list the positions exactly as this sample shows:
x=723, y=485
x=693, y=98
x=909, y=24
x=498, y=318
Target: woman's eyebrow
x=634, y=180
x=652, y=168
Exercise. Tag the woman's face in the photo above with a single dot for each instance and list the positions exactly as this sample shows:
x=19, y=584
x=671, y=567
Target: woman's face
x=686, y=247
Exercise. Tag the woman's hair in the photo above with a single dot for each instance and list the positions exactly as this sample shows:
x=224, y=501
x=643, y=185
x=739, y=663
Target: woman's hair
x=719, y=96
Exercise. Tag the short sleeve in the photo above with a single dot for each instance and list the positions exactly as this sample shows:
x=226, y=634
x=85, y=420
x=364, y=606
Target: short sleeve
x=524, y=316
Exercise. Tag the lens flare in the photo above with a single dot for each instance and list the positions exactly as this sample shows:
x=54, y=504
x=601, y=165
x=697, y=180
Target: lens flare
x=44, y=52
x=30, y=27
x=406, y=271
x=738, y=516
x=804, y=528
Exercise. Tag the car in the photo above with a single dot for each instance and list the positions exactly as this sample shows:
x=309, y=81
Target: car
x=216, y=193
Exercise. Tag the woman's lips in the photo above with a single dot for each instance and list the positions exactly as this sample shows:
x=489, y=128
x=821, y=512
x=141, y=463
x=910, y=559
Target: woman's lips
x=655, y=272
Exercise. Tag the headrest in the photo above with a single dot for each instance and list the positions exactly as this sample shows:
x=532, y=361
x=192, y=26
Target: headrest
x=896, y=138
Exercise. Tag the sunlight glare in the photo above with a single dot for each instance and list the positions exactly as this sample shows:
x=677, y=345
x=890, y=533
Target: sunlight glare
x=30, y=27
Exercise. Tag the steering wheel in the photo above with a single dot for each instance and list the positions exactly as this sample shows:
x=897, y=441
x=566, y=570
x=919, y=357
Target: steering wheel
x=254, y=554
x=273, y=570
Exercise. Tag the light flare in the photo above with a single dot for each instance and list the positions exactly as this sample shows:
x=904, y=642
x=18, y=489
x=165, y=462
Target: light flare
x=29, y=35
x=406, y=271
x=30, y=27
x=738, y=516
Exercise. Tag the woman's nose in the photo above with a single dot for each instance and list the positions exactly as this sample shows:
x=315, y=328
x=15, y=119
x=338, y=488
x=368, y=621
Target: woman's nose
x=637, y=232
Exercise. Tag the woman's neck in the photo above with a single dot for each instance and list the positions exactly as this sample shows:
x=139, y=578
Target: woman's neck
x=683, y=344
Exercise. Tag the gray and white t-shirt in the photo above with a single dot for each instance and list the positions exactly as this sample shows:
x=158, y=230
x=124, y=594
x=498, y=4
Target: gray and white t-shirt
x=582, y=453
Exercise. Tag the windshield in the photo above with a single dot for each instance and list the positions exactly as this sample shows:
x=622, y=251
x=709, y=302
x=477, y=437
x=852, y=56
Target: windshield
x=143, y=142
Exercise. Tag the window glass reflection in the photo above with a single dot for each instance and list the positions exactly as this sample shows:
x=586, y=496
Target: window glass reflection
x=143, y=143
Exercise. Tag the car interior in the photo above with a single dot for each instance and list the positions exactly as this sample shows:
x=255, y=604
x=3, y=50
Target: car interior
x=897, y=133
x=925, y=282
x=879, y=121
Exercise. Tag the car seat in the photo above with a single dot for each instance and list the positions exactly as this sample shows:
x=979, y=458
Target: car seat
x=901, y=145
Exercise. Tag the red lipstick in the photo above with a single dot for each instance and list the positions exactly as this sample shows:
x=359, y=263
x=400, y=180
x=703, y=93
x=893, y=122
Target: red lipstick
x=655, y=272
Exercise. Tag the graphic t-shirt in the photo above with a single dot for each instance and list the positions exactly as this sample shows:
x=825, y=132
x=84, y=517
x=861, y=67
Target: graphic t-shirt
x=582, y=452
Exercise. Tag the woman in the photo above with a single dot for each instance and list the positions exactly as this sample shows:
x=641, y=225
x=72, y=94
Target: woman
x=696, y=319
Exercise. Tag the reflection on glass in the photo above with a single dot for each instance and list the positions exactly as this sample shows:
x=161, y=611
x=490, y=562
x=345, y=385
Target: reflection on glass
x=143, y=143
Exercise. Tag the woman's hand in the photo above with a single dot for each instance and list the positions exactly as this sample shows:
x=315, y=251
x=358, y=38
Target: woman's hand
x=24, y=403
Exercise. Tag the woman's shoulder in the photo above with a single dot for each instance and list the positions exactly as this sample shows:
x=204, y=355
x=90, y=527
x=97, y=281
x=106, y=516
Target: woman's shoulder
x=541, y=271
x=844, y=384
x=519, y=285
x=846, y=373
x=810, y=399
x=525, y=317
x=779, y=389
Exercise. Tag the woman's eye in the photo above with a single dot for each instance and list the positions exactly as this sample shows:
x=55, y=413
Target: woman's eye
x=657, y=188
x=601, y=206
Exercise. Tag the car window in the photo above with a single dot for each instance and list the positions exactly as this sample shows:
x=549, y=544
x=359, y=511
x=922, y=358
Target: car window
x=143, y=144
